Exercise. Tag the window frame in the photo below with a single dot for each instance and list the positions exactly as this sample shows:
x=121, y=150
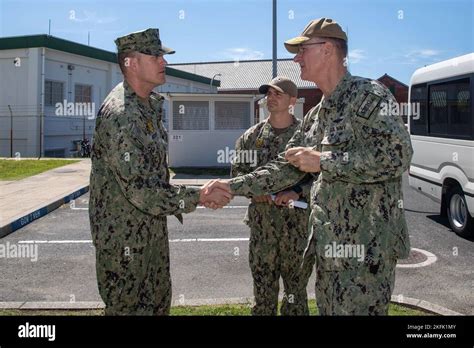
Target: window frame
x=82, y=92
x=248, y=121
x=427, y=99
x=53, y=104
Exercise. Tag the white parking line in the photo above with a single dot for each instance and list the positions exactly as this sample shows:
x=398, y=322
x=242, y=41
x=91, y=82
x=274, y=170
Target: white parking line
x=187, y=240
x=54, y=241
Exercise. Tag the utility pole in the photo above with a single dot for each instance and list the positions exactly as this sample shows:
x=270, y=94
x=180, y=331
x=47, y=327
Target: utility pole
x=274, y=61
x=11, y=131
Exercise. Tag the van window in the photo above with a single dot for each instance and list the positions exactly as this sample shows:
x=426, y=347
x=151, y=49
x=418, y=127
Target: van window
x=419, y=121
x=450, y=109
x=460, y=114
x=439, y=110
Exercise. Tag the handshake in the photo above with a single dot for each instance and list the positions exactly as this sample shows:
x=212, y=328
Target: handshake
x=215, y=194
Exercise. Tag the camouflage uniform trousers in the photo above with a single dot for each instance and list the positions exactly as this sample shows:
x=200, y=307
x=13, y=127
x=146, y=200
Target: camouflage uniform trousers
x=364, y=290
x=278, y=237
x=137, y=282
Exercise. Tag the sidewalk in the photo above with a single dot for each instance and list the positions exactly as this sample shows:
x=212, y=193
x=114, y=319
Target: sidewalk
x=23, y=201
x=397, y=299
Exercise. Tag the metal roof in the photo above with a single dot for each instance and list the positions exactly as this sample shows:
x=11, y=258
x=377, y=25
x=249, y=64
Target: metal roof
x=246, y=74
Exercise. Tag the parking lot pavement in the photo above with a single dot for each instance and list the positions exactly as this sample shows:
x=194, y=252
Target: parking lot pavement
x=209, y=257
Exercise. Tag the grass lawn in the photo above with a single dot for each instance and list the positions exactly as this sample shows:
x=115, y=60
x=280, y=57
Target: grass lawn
x=20, y=169
x=230, y=310
x=215, y=171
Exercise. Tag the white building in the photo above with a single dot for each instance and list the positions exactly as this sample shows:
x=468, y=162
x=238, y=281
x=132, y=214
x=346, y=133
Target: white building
x=203, y=128
x=38, y=72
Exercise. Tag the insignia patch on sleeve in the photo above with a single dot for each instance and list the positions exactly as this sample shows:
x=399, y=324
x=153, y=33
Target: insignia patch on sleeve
x=368, y=105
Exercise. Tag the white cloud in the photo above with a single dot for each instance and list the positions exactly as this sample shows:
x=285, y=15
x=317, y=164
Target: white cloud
x=423, y=53
x=90, y=17
x=356, y=55
x=426, y=55
x=240, y=53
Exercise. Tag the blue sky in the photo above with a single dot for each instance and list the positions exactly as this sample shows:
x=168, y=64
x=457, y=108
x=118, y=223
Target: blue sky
x=385, y=36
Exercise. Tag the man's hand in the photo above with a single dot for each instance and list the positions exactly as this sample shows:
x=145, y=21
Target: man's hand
x=283, y=198
x=263, y=199
x=304, y=158
x=215, y=194
x=217, y=183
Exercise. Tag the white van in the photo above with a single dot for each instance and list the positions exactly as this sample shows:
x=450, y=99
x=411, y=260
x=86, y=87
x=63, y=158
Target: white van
x=441, y=124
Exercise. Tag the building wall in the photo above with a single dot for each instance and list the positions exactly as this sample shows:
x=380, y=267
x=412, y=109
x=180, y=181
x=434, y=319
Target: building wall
x=399, y=91
x=312, y=96
x=61, y=129
x=177, y=85
x=201, y=148
x=21, y=88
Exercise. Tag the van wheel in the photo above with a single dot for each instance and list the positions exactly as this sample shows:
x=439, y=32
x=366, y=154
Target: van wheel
x=458, y=215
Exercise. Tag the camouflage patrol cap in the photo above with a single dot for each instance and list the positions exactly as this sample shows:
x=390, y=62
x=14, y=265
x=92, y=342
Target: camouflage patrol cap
x=322, y=27
x=145, y=41
x=282, y=84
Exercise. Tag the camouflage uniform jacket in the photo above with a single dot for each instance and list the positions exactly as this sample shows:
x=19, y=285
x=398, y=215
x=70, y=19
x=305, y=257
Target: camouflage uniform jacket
x=357, y=196
x=129, y=184
x=267, y=145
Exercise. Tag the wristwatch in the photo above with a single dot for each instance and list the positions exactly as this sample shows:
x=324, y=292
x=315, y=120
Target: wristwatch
x=297, y=189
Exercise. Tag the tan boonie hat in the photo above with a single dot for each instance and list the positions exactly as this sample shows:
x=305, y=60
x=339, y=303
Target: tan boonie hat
x=322, y=27
x=145, y=41
x=282, y=84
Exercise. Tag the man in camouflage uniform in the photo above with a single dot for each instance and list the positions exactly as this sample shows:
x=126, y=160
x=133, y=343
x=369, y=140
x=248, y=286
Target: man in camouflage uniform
x=130, y=193
x=357, y=155
x=278, y=231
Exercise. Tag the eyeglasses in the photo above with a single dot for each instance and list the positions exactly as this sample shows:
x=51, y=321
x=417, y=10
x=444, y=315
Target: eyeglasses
x=301, y=48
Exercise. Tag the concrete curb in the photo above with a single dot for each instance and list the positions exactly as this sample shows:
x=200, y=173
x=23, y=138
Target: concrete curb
x=423, y=305
x=398, y=299
x=24, y=220
x=38, y=213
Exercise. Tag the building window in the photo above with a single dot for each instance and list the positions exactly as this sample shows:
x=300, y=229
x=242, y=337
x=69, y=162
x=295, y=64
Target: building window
x=82, y=93
x=232, y=115
x=190, y=115
x=55, y=153
x=53, y=92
